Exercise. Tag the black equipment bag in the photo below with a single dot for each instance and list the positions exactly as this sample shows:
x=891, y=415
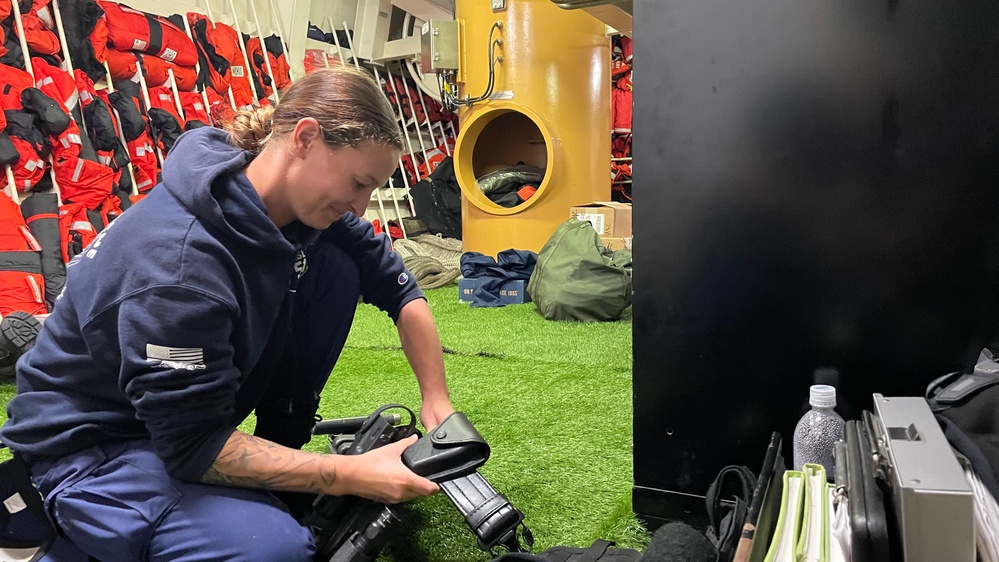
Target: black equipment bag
x=437, y=201
x=967, y=407
x=23, y=522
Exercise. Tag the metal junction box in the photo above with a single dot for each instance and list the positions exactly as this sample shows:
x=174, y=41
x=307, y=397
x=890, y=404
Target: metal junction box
x=439, y=46
x=933, y=502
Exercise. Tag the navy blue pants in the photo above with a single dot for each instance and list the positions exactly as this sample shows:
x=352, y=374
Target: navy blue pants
x=116, y=502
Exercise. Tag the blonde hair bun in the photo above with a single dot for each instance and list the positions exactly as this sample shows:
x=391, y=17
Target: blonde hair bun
x=250, y=128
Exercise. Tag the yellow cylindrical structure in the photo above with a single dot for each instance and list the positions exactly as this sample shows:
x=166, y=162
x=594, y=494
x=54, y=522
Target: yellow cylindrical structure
x=550, y=107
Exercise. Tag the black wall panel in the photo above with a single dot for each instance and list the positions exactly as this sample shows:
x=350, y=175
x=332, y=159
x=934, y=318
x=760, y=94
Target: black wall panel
x=816, y=185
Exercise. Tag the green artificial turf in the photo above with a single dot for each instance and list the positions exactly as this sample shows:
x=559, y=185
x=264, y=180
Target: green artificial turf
x=553, y=400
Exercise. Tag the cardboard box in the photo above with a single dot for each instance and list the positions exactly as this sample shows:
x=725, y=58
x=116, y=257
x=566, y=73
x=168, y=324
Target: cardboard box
x=614, y=244
x=609, y=218
x=513, y=292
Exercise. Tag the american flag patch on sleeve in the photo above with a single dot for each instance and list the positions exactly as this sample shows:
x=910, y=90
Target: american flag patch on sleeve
x=188, y=355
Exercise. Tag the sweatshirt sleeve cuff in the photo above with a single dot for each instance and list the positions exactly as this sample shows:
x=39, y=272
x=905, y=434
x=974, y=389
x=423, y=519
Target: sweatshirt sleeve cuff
x=194, y=466
x=406, y=299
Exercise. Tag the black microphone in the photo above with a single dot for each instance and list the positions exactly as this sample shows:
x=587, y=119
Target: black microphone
x=679, y=542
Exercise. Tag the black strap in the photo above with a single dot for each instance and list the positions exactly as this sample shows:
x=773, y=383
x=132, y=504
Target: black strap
x=953, y=389
x=726, y=521
x=27, y=261
x=488, y=513
x=746, y=481
x=155, y=35
x=596, y=550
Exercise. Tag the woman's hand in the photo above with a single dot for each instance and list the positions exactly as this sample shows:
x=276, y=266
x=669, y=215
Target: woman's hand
x=380, y=475
x=433, y=412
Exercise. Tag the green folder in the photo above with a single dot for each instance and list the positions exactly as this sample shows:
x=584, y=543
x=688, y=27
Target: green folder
x=789, y=520
x=813, y=538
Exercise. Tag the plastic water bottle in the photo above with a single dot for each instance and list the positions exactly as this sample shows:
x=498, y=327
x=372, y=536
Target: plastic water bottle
x=818, y=430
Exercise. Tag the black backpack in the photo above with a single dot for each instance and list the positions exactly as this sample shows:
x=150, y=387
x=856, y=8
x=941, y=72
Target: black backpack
x=437, y=201
x=966, y=406
x=599, y=551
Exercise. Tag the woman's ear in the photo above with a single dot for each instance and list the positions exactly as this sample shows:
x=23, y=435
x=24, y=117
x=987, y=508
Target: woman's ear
x=306, y=133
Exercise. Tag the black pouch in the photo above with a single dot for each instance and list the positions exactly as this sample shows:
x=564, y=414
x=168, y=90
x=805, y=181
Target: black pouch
x=24, y=527
x=451, y=450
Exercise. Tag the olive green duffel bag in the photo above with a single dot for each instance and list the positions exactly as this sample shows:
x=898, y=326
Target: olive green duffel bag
x=576, y=278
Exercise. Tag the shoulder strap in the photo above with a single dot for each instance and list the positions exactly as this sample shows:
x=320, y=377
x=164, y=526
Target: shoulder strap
x=596, y=550
x=488, y=513
x=725, y=522
x=744, y=478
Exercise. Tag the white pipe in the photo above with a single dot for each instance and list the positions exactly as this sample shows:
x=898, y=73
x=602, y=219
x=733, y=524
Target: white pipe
x=67, y=60
x=211, y=19
x=417, y=124
x=405, y=128
x=395, y=201
x=197, y=70
x=27, y=66
x=20, y=37
x=176, y=96
x=263, y=48
x=248, y=73
x=381, y=205
x=412, y=70
x=336, y=42
x=381, y=212
x=418, y=79
x=12, y=186
x=145, y=97
x=350, y=45
x=401, y=118
x=279, y=27
x=57, y=14
x=357, y=66
x=426, y=115
x=121, y=133
x=55, y=183
x=405, y=135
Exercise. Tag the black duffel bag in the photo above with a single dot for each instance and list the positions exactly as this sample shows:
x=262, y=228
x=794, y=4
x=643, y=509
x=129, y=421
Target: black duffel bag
x=967, y=407
x=599, y=551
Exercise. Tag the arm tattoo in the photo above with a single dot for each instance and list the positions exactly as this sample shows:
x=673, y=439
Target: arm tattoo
x=250, y=462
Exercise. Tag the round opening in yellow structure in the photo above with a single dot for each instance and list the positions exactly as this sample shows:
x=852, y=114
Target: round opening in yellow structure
x=500, y=138
x=540, y=78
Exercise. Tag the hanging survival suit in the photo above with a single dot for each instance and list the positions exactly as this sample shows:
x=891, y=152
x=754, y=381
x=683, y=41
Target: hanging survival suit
x=124, y=65
x=22, y=286
x=135, y=30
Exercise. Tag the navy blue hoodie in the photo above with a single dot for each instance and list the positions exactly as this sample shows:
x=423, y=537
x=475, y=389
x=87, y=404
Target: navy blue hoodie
x=163, y=317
